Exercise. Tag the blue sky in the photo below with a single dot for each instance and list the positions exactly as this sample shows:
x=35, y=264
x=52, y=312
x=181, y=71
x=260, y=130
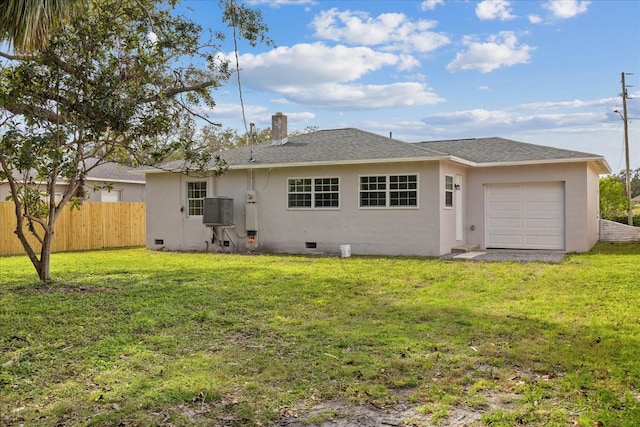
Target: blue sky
x=544, y=72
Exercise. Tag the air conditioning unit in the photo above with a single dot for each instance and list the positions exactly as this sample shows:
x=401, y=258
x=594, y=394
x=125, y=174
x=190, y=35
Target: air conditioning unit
x=218, y=211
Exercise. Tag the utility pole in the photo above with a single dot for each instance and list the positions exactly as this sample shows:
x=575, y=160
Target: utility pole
x=626, y=148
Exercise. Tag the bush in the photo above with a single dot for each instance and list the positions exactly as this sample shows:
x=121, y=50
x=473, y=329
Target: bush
x=613, y=201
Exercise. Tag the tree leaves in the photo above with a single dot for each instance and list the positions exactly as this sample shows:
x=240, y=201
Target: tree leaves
x=104, y=90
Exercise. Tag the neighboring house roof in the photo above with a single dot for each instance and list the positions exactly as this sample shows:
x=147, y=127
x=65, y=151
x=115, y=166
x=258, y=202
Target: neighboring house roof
x=115, y=172
x=352, y=146
x=105, y=172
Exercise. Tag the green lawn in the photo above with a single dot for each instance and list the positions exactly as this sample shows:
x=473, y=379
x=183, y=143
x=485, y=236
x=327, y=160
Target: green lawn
x=133, y=337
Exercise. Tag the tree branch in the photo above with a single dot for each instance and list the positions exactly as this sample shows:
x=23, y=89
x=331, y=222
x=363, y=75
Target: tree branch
x=15, y=57
x=170, y=93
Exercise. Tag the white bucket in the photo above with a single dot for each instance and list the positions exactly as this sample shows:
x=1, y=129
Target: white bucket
x=345, y=250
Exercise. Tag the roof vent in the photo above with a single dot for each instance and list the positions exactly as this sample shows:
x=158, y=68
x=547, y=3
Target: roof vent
x=278, y=129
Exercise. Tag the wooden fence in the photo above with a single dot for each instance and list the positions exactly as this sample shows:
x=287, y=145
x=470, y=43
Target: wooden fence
x=95, y=225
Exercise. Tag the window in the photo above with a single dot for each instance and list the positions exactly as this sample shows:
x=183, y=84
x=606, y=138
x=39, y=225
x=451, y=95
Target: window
x=196, y=192
x=373, y=191
x=326, y=193
x=110, y=196
x=403, y=190
x=448, y=191
x=313, y=193
x=300, y=193
x=389, y=191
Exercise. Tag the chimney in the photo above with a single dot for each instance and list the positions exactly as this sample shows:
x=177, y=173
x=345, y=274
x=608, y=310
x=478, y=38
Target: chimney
x=278, y=129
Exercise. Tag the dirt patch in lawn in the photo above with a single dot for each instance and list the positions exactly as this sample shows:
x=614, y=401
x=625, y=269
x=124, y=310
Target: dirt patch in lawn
x=340, y=413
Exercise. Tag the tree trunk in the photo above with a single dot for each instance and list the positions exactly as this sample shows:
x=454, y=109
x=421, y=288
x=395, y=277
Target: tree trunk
x=44, y=267
x=41, y=265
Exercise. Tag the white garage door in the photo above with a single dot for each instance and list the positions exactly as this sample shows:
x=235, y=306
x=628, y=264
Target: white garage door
x=525, y=216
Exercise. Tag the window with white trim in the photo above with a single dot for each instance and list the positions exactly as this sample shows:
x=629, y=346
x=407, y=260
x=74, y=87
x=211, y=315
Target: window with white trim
x=389, y=191
x=196, y=192
x=448, y=191
x=309, y=193
x=110, y=196
x=373, y=191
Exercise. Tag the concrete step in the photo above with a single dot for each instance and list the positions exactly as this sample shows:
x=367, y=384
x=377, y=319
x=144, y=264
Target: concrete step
x=460, y=249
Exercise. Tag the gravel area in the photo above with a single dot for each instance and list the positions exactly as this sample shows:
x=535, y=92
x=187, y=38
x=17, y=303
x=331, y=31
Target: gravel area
x=510, y=256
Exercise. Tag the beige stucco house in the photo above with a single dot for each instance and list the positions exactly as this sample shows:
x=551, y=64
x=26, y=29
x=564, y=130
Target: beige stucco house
x=314, y=192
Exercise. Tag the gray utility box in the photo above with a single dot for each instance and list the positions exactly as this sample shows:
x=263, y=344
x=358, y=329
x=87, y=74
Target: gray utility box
x=218, y=211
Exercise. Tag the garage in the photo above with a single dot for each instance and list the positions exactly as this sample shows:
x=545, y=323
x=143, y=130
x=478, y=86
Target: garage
x=525, y=215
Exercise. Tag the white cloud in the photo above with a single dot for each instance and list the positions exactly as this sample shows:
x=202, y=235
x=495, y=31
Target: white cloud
x=339, y=96
x=570, y=104
x=152, y=37
x=565, y=9
x=316, y=74
x=535, y=19
x=500, y=122
x=316, y=63
x=391, y=31
x=500, y=50
x=494, y=9
x=431, y=4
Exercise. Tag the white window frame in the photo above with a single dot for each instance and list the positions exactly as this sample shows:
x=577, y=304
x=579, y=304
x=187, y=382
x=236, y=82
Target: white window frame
x=191, y=209
x=313, y=192
x=388, y=191
x=449, y=191
x=108, y=193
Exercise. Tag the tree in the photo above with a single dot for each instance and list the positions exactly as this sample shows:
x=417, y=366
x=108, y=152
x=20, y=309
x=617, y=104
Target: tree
x=634, y=180
x=613, y=200
x=225, y=139
x=27, y=24
x=113, y=86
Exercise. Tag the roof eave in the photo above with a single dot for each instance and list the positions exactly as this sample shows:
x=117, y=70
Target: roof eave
x=601, y=163
x=603, y=166
x=120, y=181
x=338, y=162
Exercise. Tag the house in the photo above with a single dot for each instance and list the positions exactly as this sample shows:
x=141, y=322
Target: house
x=123, y=184
x=107, y=182
x=314, y=192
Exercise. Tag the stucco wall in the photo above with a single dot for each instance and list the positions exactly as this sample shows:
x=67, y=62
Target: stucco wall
x=402, y=231
x=580, y=184
x=593, y=206
x=428, y=230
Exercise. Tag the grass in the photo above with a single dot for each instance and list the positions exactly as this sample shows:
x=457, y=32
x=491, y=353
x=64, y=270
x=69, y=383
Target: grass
x=133, y=337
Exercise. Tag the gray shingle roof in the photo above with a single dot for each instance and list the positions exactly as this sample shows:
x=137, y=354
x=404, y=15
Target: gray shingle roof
x=500, y=150
x=356, y=146
x=337, y=145
x=115, y=172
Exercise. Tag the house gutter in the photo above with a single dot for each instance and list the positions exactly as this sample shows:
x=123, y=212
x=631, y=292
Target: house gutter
x=121, y=181
x=338, y=162
x=603, y=166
